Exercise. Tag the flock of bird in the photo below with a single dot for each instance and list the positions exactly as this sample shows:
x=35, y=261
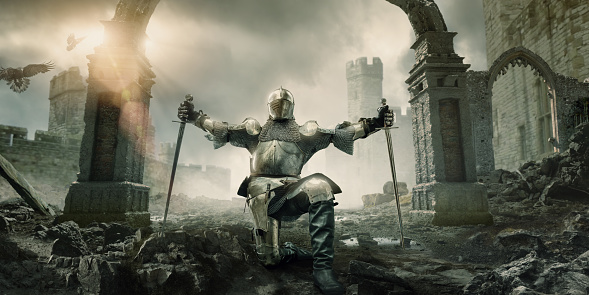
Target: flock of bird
x=18, y=78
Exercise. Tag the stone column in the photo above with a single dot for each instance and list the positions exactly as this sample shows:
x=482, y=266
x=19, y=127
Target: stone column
x=112, y=153
x=446, y=192
x=479, y=98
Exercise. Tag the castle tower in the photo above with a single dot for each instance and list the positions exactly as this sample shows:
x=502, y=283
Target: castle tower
x=67, y=97
x=370, y=160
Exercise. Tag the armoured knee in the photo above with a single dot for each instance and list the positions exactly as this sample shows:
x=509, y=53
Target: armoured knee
x=267, y=248
x=318, y=190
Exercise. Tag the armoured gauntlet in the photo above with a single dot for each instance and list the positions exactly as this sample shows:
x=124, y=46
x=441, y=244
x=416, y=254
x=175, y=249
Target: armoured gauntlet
x=371, y=125
x=187, y=114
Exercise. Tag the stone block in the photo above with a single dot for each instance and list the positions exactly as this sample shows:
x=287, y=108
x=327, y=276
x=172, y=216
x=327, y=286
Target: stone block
x=87, y=202
x=452, y=203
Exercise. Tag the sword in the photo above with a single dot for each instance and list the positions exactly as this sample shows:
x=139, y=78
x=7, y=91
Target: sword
x=387, y=127
x=188, y=98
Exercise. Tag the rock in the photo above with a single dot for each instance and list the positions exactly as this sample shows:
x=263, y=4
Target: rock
x=372, y=200
x=68, y=240
x=5, y=226
x=155, y=275
x=495, y=176
x=519, y=243
x=577, y=221
x=372, y=279
x=64, y=247
x=98, y=276
x=389, y=188
x=504, y=279
x=116, y=233
x=549, y=165
x=366, y=241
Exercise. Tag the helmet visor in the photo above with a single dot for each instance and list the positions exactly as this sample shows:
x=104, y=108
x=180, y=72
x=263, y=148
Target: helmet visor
x=280, y=109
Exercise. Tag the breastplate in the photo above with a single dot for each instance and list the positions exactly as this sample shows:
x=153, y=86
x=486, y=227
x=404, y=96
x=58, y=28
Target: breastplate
x=277, y=158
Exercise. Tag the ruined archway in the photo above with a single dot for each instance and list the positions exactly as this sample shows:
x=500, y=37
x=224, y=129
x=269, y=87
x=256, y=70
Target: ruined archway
x=446, y=192
x=520, y=56
x=523, y=114
x=564, y=93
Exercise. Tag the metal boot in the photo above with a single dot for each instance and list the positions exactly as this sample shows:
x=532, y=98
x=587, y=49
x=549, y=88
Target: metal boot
x=321, y=229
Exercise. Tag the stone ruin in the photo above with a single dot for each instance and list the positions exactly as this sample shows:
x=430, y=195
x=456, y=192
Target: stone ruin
x=112, y=154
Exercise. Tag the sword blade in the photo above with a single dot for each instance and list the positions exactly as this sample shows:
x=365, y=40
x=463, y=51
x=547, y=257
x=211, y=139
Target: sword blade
x=394, y=175
x=174, y=165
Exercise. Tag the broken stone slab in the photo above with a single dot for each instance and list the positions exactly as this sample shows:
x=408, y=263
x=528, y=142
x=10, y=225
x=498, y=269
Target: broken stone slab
x=23, y=188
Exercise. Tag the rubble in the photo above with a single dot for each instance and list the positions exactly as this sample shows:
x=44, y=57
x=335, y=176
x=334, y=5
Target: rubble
x=539, y=244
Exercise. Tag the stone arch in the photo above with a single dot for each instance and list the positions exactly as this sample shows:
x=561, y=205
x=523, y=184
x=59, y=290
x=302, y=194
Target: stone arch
x=520, y=56
x=424, y=15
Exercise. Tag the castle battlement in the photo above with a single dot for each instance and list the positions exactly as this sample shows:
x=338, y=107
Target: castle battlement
x=361, y=67
x=12, y=132
x=68, y=80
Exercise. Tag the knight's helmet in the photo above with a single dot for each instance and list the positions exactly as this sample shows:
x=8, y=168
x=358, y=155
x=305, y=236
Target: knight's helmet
x=281, y=104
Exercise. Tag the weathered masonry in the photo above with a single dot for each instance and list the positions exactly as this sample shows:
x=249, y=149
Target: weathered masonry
x=532, y=96
x=445, y=164
x=112, y=154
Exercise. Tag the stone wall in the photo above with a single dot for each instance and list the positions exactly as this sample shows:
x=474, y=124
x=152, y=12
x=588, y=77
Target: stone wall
x=192, y=180
x=44, y=160
x=557, y=31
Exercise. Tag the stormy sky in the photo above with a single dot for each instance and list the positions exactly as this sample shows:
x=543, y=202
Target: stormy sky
x=230, y=54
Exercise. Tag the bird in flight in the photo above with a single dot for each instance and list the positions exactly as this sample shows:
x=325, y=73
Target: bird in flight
x=72, y=41
x=18, y=78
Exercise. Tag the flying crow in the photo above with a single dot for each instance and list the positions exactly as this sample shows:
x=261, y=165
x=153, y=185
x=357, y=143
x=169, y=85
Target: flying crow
x=72, y=41
x=18, y=78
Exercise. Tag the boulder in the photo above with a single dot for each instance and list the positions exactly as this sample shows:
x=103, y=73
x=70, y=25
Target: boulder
x=68, y=240
x=389, y=188
x=372, y=200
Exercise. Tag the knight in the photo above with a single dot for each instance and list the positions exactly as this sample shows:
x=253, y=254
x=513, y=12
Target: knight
x=275, y=190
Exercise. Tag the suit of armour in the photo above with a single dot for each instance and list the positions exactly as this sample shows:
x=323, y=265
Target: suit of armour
x=275, y=190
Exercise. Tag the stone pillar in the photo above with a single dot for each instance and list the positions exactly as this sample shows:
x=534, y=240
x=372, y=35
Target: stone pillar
x=112, y=154
x=479, y=98
x=446, y=192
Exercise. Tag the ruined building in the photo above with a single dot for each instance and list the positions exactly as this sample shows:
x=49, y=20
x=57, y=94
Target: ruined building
x=550, y=32
x=369, y=166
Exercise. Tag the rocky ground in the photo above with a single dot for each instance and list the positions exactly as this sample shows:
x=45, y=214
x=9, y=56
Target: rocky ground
x=538, y=244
